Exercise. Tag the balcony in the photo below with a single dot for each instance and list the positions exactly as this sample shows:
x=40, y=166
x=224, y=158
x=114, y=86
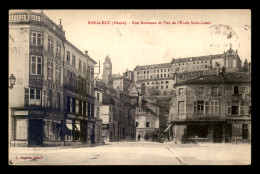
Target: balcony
x=198, y=117
x=29, y=17
x=36, y=49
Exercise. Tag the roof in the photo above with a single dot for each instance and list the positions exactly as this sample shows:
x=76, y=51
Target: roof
x=234, y=77
x=154, y=66
x=203, y=80
x=237, y=77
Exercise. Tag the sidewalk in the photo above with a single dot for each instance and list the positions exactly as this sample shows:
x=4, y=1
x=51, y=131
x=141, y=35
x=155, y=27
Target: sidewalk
x=212, y=153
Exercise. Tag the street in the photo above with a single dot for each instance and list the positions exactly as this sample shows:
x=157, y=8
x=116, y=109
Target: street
x=132, y=153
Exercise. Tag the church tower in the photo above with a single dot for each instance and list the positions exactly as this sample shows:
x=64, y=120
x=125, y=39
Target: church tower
x=107, y=72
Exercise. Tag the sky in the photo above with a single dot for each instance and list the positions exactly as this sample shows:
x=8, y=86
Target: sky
x=145, y=44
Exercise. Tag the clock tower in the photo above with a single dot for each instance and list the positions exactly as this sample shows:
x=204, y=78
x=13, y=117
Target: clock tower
x=107, y=72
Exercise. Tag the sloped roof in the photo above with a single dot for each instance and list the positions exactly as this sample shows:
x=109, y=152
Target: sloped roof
x=234, y=77
x=237, y=77
x=203, y=80
x=154, y=66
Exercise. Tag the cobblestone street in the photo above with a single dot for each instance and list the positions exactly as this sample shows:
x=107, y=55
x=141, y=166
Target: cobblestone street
x=134, y=153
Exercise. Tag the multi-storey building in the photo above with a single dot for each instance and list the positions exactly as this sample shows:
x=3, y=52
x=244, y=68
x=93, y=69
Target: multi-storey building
x=212, y=108
x=122, y=83
x=146, y=122
x=36, y=50
x=157, y=80
x=52, y=102
x=154, y=80
x=230, y=60
x=78, y=96
x=117, y=114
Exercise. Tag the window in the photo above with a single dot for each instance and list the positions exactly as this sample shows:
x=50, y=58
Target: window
x=58, y=73
x=77, y=106
x=164, y=75
x=58, y=49
x=200, y=107
x=84, y=68
x=206, y=66
x=245, y=131
x=167, y=86
x=97, y=114
x=214, y=90
x=36, y=38
x=58, y=101
x=200, y=90
x=21, y=129
x=50, y=44
x=80, y=64
x=214, y=107
x=50, y=69
x=242, y=104
x=161, y=87
x=68, y=56
x=73, y=60
x=98, y=96
x=36, y=65
x=35, y=96
x=229, y=107
x=147, y=124
x=195, y=107
x=206, y=107
x=181, y=91
x=235, y=107
x=235, y=90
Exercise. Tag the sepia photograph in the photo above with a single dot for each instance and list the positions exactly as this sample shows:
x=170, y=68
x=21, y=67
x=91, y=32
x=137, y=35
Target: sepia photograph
x=94, y=87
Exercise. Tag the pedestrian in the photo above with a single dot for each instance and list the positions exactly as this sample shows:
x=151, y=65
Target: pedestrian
x=139, y=136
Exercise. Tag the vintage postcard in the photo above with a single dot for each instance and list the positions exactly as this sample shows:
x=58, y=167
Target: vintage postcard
x=129, y=87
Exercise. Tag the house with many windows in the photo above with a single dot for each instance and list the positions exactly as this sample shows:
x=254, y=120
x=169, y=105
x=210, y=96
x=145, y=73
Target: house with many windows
x=52, y=102
x=36, y=50
x=214, y=108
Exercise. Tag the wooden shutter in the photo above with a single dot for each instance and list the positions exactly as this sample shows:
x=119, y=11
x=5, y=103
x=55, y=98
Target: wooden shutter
x=209, y=90
x=26, y=96
x=232, y=90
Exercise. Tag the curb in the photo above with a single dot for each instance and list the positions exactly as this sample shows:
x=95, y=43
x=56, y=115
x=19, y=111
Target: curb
x=177, y=157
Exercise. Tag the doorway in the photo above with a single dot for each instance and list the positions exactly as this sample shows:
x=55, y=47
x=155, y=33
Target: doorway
x=218, y=133
x=36, y=132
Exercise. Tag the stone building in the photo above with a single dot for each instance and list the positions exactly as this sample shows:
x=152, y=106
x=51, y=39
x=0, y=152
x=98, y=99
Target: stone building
x=213, y=108
x=78, y=96
x=117, y=114
x=122, y=83
x=36, y=51
x=52, y=102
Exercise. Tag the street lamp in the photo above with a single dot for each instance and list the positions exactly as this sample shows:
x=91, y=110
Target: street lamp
x=12, y=80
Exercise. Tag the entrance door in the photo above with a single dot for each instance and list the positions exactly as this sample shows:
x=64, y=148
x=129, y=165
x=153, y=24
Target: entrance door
x=36, y=132
x=218, y=134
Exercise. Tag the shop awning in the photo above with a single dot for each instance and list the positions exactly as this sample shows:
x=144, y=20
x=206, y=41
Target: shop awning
x=77, y=126
x=69, y=126
x=167, y=128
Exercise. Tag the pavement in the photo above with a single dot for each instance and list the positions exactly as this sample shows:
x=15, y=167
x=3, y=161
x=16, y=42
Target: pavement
x=134, y=153
x=212, y=153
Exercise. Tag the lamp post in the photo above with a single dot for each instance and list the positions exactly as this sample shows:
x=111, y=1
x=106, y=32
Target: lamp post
x=12, y=81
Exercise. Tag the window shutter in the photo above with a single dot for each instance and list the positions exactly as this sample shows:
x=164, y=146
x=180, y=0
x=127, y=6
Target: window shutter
x=26, y=96
x=232, y=90
x=185, y=91
x=209, y=90
x=177, y=91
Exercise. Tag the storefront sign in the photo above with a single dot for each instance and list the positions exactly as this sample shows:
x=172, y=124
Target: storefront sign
x=20, y=112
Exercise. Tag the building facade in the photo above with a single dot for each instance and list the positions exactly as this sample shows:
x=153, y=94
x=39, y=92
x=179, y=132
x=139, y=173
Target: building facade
x=213, y=108
x=52, y=102
x=36, y=59
x=117, y=114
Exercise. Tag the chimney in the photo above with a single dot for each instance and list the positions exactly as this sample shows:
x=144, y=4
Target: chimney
x=60, y=25
x=217, y=69
x=86, y=52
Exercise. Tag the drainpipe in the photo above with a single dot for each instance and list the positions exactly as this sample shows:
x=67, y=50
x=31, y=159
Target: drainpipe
x=64, y=92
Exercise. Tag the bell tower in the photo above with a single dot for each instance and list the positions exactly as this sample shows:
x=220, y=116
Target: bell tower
x=107, y=72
